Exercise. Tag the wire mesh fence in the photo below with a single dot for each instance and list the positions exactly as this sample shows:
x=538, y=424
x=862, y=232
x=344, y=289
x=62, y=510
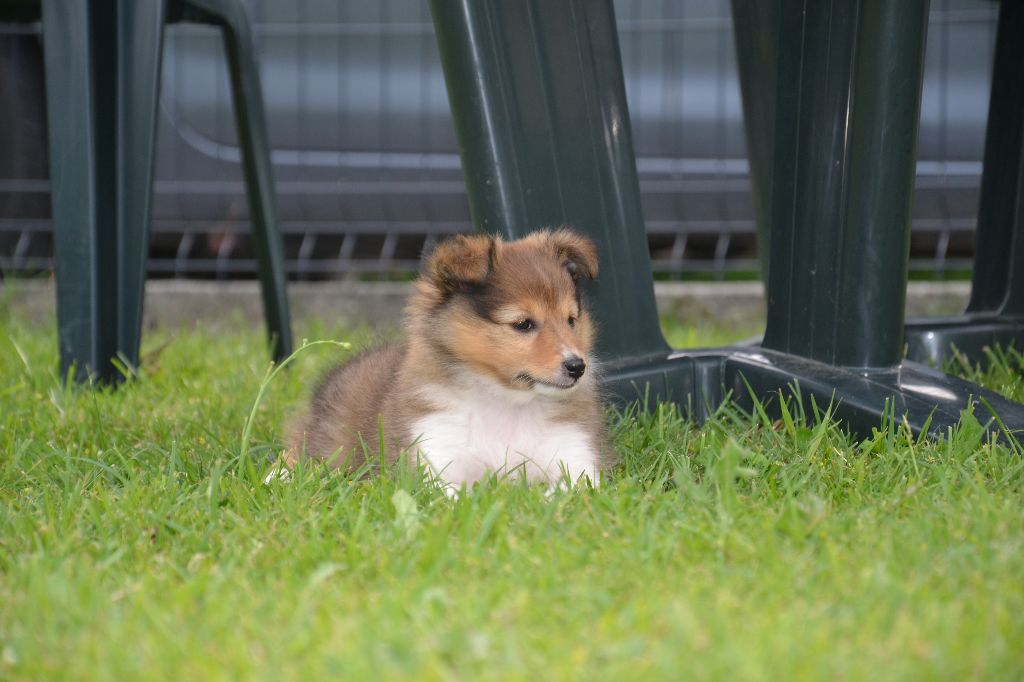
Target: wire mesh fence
x=366, y=159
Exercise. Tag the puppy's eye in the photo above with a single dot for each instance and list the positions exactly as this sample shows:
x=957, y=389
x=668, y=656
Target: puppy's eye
x=572, y=321
x=524, y=325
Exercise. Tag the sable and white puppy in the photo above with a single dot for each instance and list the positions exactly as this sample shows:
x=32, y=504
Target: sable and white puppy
x=495, y=374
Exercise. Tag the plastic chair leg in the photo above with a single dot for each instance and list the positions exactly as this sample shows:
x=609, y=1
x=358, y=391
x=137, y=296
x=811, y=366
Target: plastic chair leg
x=995, y=312
x=231, y=17
x=755, y=27
x=539, y=104
x=998, y=282
x=847, y=110
x=101, y=119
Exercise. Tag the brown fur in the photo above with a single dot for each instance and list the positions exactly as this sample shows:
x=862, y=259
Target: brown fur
x=471, y=292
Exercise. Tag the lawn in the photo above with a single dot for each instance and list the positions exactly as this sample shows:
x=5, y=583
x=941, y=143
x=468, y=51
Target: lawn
x=136, y=542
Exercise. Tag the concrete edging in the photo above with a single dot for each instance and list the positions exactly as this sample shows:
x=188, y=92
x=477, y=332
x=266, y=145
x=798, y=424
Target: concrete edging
x=174, y=303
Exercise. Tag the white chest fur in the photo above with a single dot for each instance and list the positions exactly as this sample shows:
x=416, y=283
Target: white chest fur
x=491, y=429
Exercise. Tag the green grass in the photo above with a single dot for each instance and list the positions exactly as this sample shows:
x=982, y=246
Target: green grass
x=1003, y=372
x=135, y=544
x=705, y=333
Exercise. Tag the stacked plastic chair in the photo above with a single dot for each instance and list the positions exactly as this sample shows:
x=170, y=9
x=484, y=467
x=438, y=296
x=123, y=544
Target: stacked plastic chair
x=537, y=96
x=102, y=63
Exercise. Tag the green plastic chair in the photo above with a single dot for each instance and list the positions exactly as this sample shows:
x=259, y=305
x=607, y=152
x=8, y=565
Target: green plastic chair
x=539, y=105
x=102, y=64
x=995, y=311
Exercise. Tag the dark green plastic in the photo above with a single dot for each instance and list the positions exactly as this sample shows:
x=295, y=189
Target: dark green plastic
x=102, y=82
x=539, y=106
x=540, y=111
x=998, y=287
x=755, y=26
x=20, y=10
x=995, y=312
x=247, y=96
x=843, y=175
x=101, y=151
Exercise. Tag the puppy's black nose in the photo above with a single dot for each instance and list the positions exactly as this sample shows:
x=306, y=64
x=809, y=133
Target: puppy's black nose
x=575, y=367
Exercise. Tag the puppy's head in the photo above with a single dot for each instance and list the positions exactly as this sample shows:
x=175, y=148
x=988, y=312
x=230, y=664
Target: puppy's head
x=511, y=311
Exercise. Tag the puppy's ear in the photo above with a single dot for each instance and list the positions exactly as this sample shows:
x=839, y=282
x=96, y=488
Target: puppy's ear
x=579, y=253
x=461, y=261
